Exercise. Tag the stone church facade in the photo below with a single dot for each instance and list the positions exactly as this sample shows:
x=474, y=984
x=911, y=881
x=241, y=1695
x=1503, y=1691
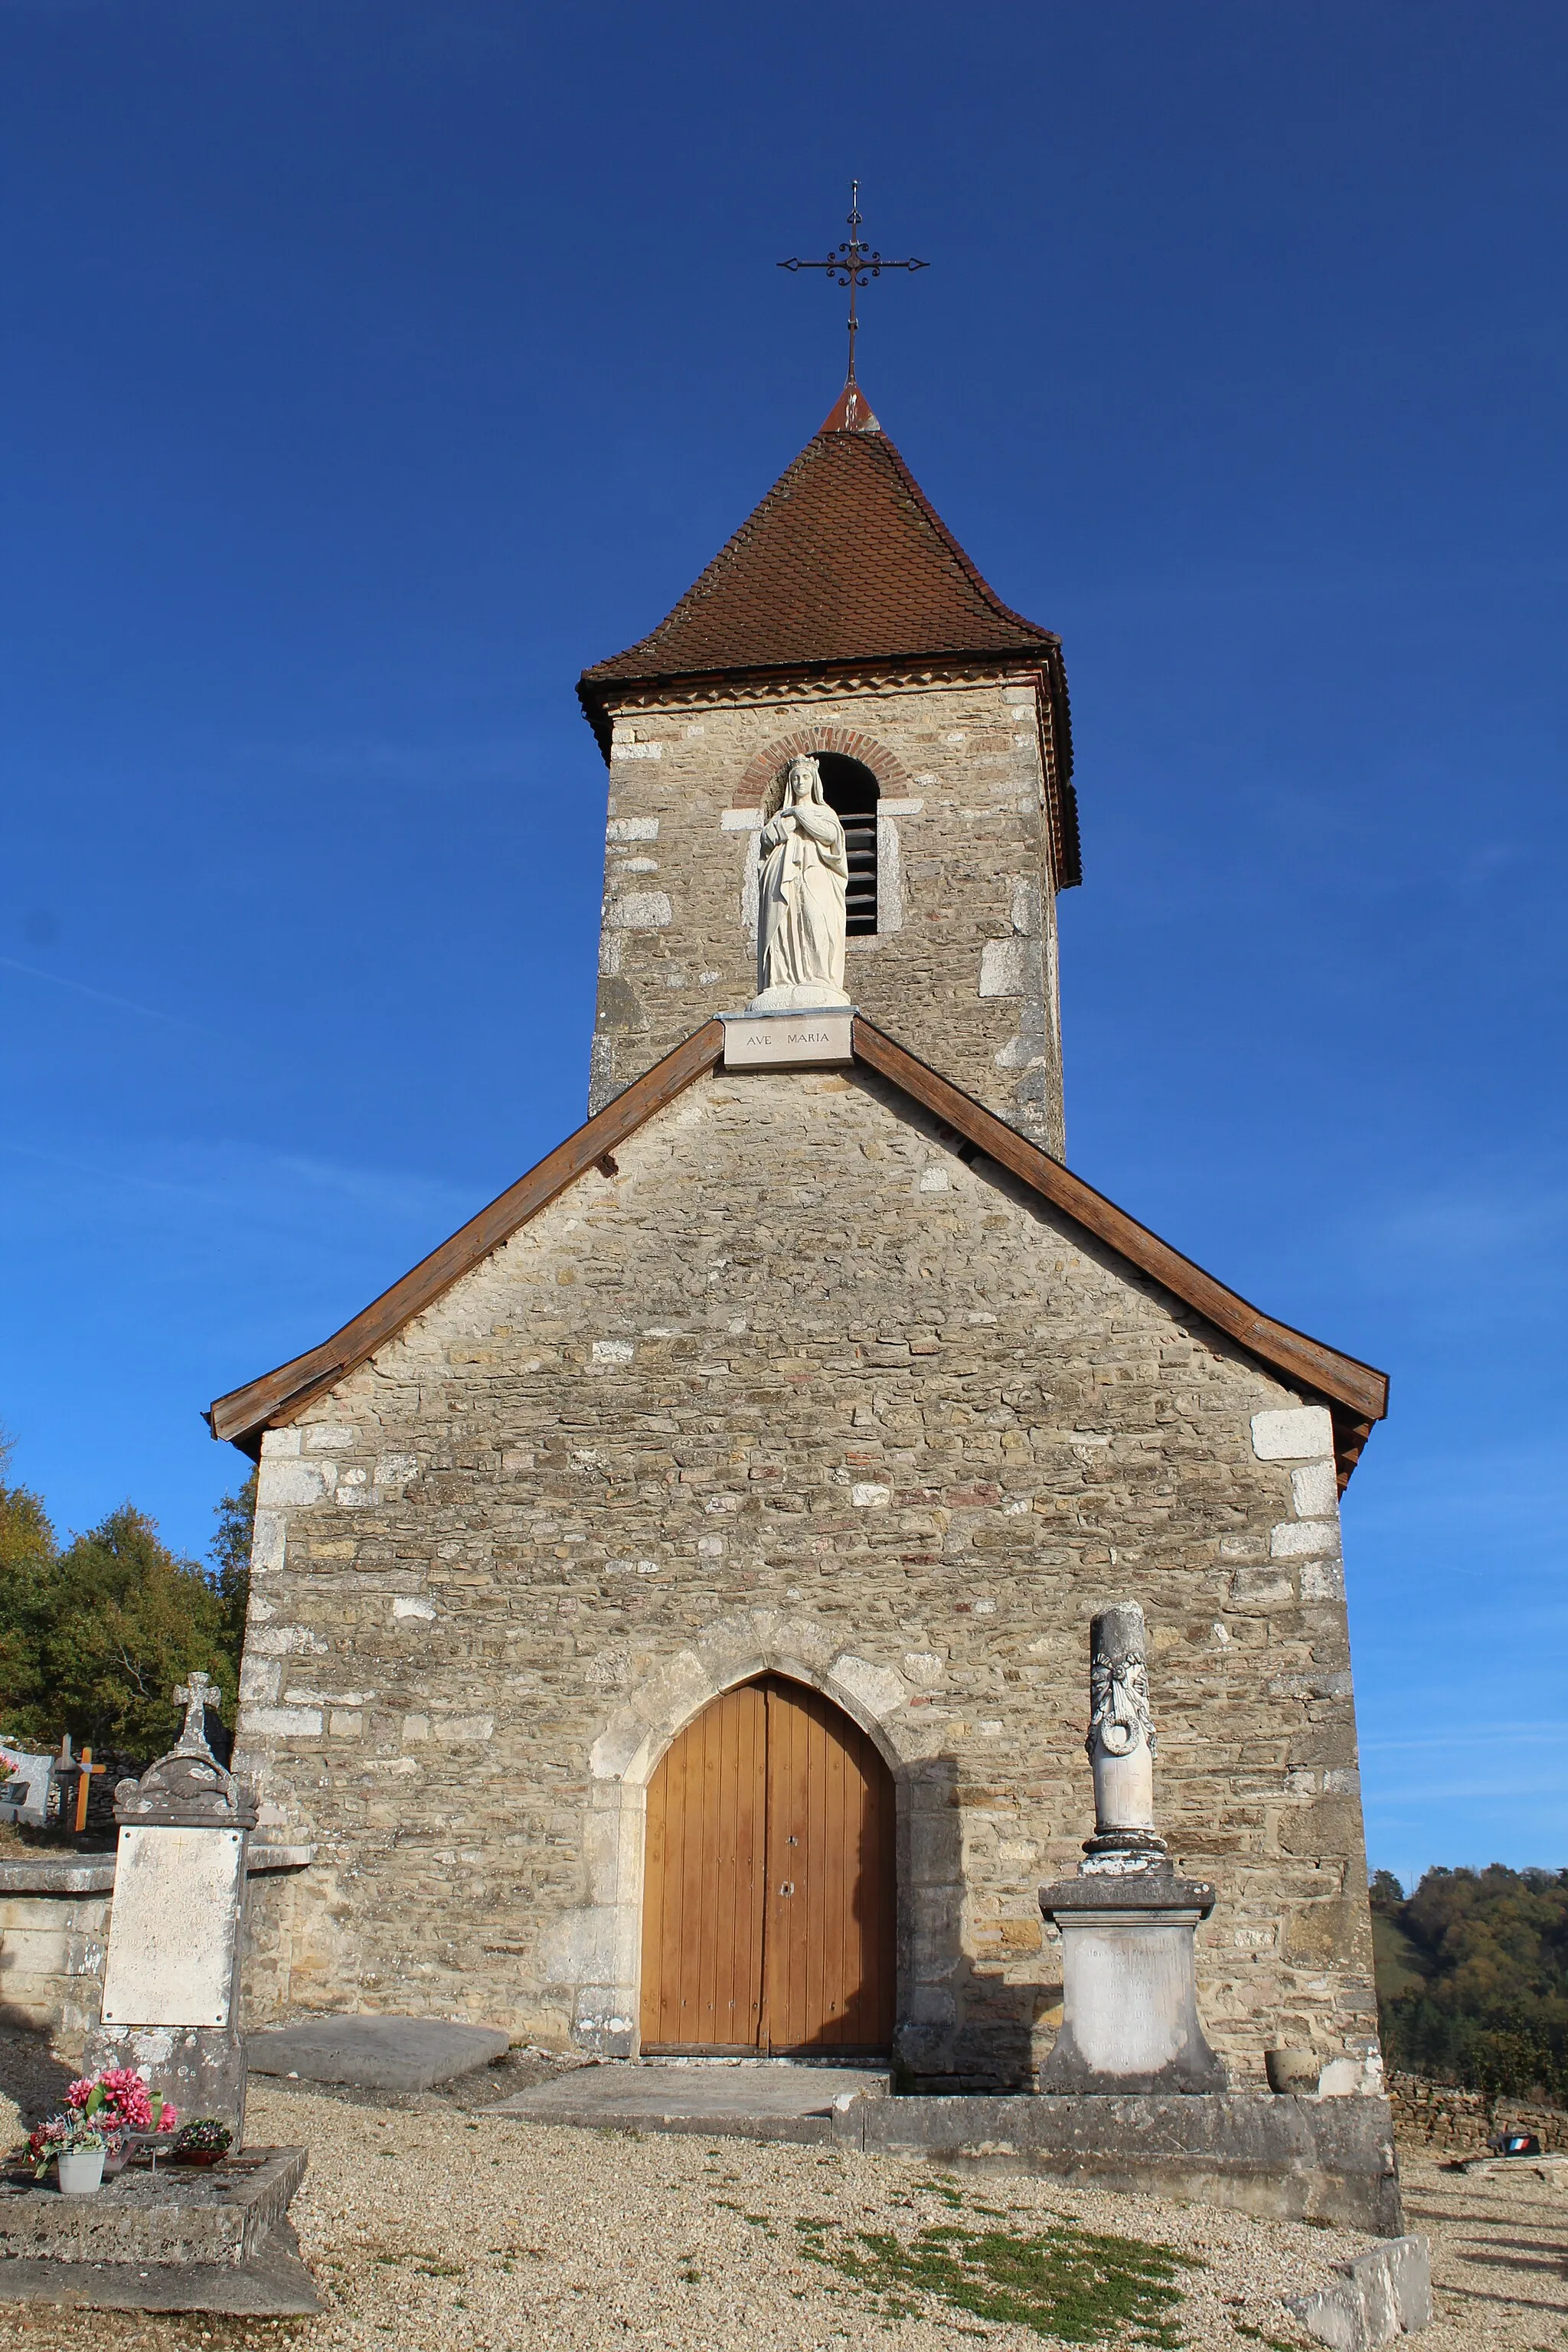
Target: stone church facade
x=829, y=1379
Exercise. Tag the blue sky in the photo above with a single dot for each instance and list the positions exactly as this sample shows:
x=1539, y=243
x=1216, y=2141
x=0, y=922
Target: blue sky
x=371, y=368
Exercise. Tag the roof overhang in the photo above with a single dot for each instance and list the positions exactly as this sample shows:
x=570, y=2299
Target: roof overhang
x=1355, y=1394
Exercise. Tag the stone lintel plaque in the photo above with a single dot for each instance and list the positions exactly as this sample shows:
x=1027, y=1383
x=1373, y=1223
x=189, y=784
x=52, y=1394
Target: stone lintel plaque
x=762, y=1040
x=177, y=1897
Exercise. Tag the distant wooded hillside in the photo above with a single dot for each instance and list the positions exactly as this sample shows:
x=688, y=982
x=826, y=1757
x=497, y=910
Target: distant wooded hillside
x=1472, y=1979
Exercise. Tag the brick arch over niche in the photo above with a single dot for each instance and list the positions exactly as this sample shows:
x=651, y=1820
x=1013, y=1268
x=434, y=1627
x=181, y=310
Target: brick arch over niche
x=889, y=771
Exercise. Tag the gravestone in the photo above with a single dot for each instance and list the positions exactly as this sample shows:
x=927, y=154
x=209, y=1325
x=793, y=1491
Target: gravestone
x=1129, y=2011
x=171, y=1981
x=25, y=1791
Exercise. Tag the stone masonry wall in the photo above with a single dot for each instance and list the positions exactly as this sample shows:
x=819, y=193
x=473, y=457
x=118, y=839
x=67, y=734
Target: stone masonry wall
x=797, y=1387
x=964, y=967
x=52, y=1948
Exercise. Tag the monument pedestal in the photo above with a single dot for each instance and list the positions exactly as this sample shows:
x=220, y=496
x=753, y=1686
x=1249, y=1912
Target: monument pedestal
x=199, y=2069
x=171, y=1981
x=1129, y=1996
x=1130, y=2008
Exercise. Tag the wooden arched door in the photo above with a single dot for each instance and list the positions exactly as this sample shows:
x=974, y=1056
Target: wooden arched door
x=769, y=1890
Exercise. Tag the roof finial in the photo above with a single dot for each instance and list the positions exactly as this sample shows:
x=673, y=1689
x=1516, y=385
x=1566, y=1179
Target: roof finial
x=854, y=264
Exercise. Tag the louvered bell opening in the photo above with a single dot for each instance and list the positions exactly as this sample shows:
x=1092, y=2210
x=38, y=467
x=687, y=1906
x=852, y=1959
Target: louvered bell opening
x=851, y=790
x=860, y=840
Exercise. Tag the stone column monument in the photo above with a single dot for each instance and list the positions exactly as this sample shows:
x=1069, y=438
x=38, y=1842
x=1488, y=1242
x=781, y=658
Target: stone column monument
x=171, y=1981
x=1129, y=2011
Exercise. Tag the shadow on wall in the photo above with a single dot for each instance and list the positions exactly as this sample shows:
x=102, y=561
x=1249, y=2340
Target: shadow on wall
x=30, y=2073
x=967, y=2026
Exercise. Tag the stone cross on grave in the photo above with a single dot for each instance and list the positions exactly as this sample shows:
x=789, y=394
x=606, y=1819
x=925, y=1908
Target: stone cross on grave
x=194, y=1696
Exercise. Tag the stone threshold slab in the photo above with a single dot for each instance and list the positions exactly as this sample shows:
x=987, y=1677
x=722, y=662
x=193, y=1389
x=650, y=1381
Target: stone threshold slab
x=273, y=2284
x=1252, y=2152
x=375, y=2051
x=179, y=2214
x=650, y=2097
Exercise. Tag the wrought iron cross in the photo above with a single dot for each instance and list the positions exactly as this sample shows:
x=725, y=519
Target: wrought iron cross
x=854, y=264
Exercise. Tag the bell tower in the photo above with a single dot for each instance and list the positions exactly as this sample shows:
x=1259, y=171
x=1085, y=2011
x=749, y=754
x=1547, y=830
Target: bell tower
x=844, y=620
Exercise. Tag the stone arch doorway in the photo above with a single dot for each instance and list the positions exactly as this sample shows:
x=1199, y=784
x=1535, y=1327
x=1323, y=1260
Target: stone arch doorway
x=769, y=1887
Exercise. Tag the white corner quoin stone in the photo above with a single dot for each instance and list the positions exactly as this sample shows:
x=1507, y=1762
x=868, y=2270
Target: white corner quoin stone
x=762, y=1041
x=1303, y=1433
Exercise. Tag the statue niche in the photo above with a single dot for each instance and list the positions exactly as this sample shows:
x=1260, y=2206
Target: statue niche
x=801, y=896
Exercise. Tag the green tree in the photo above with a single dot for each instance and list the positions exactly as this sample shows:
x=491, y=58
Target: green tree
x=1473, y=1979
x=94, y=1638
x=27, y=1554
x=230, y=1555
x=123, y=1621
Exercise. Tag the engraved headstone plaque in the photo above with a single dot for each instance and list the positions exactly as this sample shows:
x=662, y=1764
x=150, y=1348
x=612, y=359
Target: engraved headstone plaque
x=177, y=1913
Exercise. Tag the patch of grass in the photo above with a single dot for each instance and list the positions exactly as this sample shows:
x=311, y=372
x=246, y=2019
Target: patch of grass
x=1076, y=2284
x=1270, y=2343
x=427, y=2265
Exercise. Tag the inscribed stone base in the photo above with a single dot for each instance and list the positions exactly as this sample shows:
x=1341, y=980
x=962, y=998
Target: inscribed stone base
x=1129, y=2003
x=201, y=2068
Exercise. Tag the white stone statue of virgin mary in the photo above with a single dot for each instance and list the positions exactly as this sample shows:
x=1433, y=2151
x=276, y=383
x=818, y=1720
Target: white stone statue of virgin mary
x=801, y=896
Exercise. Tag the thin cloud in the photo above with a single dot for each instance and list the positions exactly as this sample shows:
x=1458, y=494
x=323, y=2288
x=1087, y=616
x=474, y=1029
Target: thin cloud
x=1554, y=1735
x=101, y=997
x=235, y=1176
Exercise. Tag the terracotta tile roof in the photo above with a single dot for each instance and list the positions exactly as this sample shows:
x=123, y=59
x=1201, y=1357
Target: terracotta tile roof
x=844, y=562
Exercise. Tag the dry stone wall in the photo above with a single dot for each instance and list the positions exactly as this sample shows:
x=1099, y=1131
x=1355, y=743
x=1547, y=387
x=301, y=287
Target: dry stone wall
x=799, y=1386
x=964, y=966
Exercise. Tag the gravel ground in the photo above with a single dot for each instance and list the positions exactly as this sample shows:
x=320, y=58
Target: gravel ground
x=1499, y=2255
x=434, y=2228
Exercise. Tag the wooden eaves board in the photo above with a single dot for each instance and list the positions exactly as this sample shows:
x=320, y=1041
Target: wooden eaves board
x=1355, y=1393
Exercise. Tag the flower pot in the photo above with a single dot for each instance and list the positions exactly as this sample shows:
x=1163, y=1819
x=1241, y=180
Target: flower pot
x=200, y=2156
x=1292, y=2073
x=82, y=2172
